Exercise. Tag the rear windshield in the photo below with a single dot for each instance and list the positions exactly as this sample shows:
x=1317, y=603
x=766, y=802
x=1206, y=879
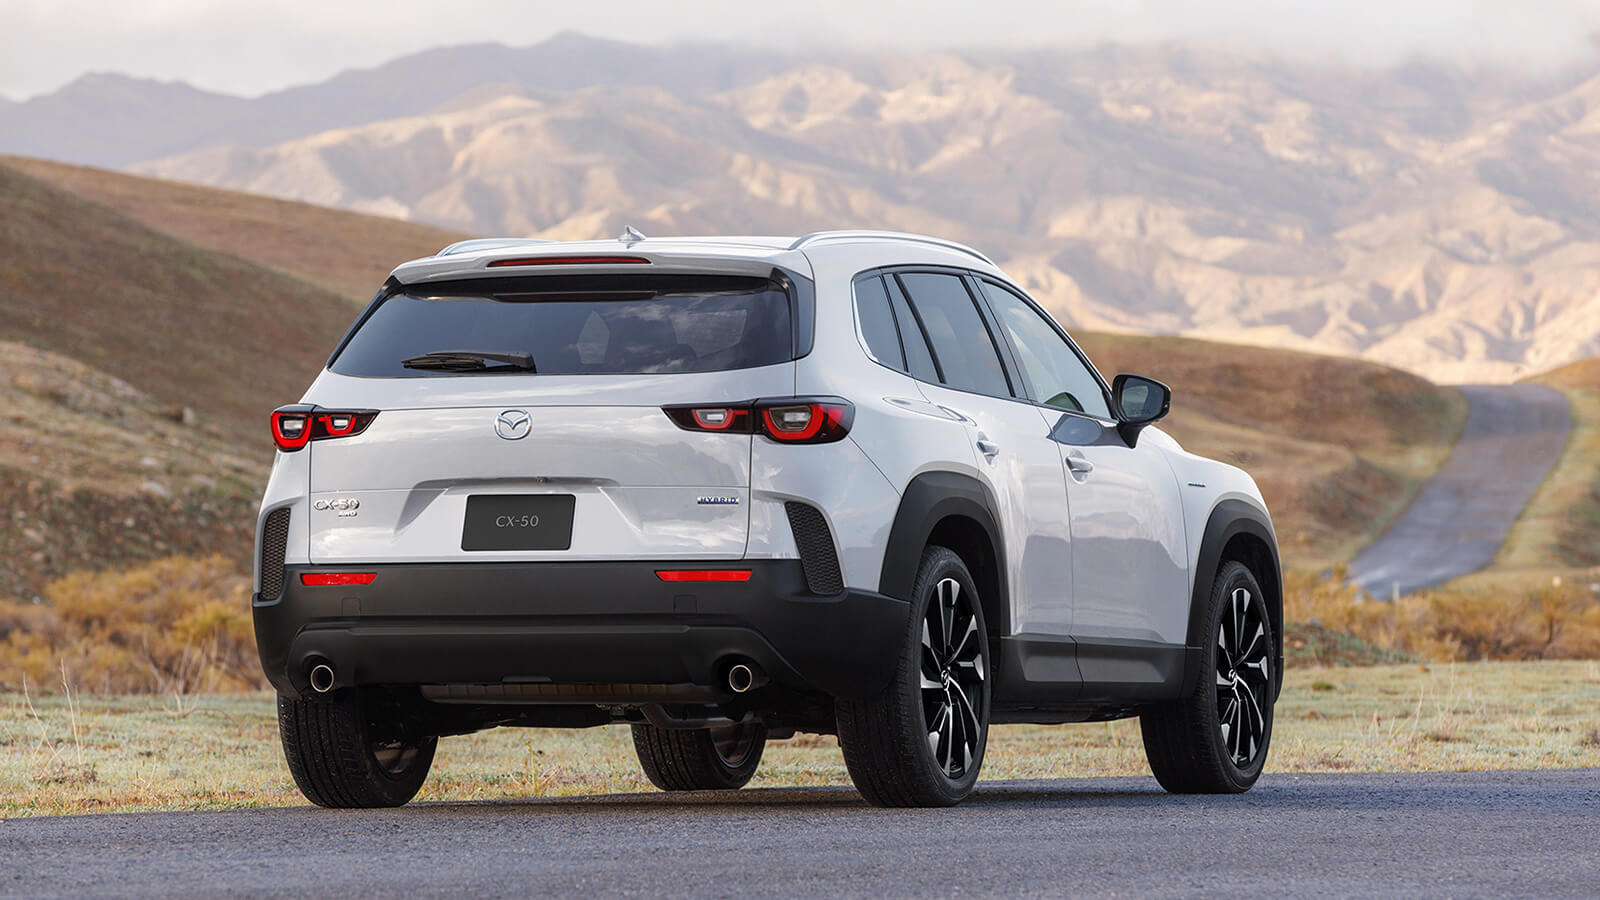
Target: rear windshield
x=578, y=325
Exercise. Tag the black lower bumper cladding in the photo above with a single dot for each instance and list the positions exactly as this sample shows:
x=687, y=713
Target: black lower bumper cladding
x=576, y=624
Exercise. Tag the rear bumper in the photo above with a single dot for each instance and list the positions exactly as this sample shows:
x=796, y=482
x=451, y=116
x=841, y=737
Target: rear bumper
x=579, y=624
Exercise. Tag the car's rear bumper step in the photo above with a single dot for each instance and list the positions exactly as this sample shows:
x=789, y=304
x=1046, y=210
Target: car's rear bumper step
x=591, y=631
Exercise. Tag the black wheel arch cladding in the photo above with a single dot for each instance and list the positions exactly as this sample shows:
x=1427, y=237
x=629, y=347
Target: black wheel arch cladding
x=931, y=500
x=1240, y=532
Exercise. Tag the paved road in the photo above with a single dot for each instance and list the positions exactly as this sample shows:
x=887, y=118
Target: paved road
x=1514, y=435
x=1464, y=834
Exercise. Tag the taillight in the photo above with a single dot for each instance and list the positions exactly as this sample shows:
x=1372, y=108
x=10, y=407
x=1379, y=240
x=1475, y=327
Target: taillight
x=788, y=420
x=294, y=426
x=731, y=419
x=336, y=579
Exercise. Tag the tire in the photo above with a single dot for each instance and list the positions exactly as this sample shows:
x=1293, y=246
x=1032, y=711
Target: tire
x=895, y=756
x=342, y=760
x=1215, y=740
x=701, y=759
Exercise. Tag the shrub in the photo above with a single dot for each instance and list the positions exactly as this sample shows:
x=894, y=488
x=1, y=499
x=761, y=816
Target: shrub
x=1535, y=619
x=177, y=625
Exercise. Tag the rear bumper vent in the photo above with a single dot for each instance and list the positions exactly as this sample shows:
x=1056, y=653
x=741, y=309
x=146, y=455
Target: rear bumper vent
x=274, y=544
x=818, y=557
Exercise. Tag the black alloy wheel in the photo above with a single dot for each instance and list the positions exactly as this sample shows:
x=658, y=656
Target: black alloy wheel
x=1215, y=740
x=953, y=677
x=920, y=740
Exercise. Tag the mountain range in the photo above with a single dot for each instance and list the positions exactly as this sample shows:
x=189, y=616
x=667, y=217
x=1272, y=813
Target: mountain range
x=1437, y=219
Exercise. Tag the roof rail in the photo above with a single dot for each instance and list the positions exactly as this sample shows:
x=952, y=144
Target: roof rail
x=476, y=244
x=888, y=235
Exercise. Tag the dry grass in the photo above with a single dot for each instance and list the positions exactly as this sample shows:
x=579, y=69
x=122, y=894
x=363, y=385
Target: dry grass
x=173, y=627
x=348, y=252
x=95, y=474
x=134, y=752
x=1339, y=447
x=1495, y=616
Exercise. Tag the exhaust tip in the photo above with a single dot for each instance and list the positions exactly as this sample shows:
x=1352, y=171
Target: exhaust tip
x=322, y=678
x=741, y=678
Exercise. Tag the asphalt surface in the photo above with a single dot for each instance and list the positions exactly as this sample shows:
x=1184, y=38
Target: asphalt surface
x=1513, y=437
x=1459, y=835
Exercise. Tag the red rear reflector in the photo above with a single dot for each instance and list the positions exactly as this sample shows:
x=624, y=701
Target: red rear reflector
x=572, y=261
x=330, y=579
x=703, y=574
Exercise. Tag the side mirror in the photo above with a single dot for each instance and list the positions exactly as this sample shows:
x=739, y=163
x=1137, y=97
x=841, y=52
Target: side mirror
x=1140, y=401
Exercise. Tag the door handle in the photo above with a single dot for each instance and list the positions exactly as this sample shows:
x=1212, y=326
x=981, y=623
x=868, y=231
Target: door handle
x=988, y=448
x=1079, y=465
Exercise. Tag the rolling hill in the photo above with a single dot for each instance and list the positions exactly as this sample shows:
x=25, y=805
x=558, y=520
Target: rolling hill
x=125, y=303
x=139, y=371
x=348, y=252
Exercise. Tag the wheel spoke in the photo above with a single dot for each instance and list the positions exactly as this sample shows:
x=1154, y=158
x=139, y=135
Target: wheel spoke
x=1249, y=650
x=1241, y=603
x=929, y=648
x=970, y=727
x=967, y=647
x=949, y=592
x=948, y=734
x=1222, y=646
x=1238, y=725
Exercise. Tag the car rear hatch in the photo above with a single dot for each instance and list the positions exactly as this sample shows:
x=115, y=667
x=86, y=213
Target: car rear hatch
x=535, y=430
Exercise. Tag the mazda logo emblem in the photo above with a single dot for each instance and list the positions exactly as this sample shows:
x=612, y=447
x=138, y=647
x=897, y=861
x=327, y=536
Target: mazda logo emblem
x=513, y=424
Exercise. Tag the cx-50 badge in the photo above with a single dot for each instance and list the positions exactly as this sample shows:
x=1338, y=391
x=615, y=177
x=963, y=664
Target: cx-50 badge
x=513, y=424
x=345, y=506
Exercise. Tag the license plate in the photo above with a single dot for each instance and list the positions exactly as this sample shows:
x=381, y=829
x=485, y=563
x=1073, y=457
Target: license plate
x=518, y=522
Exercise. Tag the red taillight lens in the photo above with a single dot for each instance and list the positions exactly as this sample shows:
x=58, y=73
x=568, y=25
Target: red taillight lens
x=816, y=422
x=703, y=574
x=572, y=261
x=723, y=419
x=291, y=430
x=790, y=420
x=294, y=426
x=332, y=579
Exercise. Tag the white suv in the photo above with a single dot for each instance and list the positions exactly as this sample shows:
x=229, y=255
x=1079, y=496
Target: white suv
x=729, y=489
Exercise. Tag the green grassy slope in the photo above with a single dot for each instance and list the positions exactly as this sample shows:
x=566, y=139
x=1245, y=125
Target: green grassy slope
x=1560, y=528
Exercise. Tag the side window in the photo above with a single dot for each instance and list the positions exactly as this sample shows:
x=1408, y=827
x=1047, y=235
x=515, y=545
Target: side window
x=1058, y=376
x=962, y=348
x=919, y=359
x=877, y=322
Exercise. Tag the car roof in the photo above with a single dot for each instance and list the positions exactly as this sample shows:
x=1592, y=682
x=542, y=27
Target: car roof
x=755, y=254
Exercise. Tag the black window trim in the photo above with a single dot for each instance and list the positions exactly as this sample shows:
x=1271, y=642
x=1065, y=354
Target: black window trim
x=861, y=335
x=1004, y=284
x=1002, y=349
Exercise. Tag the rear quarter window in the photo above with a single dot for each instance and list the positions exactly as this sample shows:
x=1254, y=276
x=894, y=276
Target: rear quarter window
x=578, y=325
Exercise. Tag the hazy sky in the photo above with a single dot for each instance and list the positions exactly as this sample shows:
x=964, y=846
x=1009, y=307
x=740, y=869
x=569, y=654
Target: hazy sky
x=254, y=46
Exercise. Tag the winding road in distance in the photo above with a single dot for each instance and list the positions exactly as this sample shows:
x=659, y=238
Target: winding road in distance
x=1514, y=435
x=1458, y=835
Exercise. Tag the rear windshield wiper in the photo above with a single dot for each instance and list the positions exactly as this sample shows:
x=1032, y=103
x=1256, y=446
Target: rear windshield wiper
x=470, y=360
